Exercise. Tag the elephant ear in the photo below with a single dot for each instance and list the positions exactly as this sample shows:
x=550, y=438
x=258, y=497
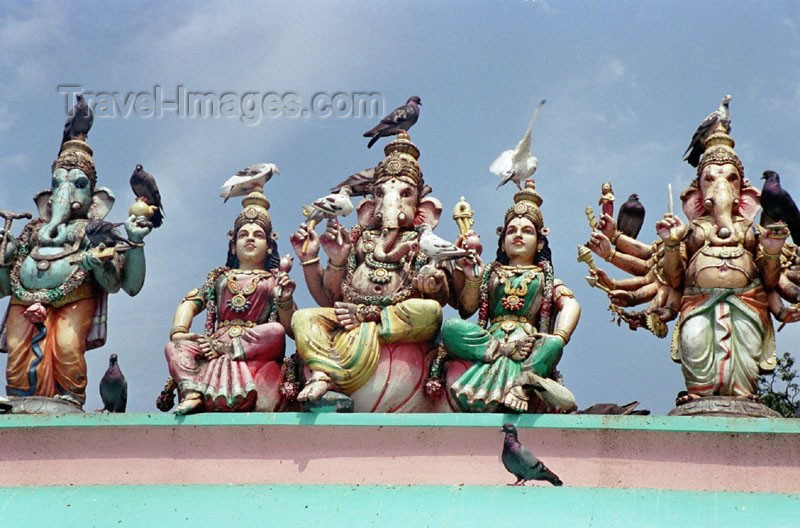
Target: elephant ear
x=42, y=201
x=692, y=200
x=102, y=201
x=365, y=210
x=428, y=212
x=749, y=202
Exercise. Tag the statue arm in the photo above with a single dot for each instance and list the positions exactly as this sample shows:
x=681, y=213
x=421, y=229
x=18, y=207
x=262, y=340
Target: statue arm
x=769, y=259
x=569, y=312
x=628, y=263
x=788, y=289
x=182, y=321
x=673, y=265
x=5, y=283
x=133, y=271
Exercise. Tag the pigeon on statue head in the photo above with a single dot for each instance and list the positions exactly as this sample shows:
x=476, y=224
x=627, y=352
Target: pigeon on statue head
x=400, y=120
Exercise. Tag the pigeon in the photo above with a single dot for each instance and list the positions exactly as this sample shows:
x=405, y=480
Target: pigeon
x=517, y=164
x=437, y=248
x=79, y=121
x=144, y=187
x=523, y=464
x=613, y=408
x=778, y=205
x=631, y=216
x=400, y=120
x=102, y=233
x=114, y=388
x=360, y=183
x=248, y=180
x=720, y=116
x=328, y=207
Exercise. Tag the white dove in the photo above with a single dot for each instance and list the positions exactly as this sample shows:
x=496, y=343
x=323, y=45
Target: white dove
x=517, y=164
x=331, y=207
x=248, y=180
x=437, y=248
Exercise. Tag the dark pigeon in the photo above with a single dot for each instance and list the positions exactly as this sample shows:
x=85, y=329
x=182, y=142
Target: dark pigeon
x=360, y=183
x=79, y=121
x=720, y=116
x=631, y=216
x=400, y=120
x=102, y=233
x=114, y=388
x=778, y=205
x=144, y=186
x=523, y=464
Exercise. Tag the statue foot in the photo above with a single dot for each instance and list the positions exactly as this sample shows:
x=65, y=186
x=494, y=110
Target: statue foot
x=316, y=387
x=189, y=406
x=686, y=397
x=516, y=399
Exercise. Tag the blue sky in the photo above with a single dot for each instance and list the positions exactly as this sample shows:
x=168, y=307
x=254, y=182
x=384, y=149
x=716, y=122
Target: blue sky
x=626, y=83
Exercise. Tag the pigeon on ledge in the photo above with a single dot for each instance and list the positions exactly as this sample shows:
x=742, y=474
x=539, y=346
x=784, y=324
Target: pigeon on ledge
x=523, y=464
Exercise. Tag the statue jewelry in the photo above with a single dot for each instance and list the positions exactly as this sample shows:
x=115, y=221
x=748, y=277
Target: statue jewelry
x=239, y=302
x=514, y=297
x=43, y=261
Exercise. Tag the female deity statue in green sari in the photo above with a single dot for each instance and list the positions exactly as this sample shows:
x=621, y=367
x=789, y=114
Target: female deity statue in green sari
x=525, y=317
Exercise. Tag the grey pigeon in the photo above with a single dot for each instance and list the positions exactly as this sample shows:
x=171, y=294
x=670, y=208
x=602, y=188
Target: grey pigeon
x=102, y=233
x=330, y=206
x=437, y=248
x=613, y=408
x=79, y=121
x=360, y=183
x=778, y=205
x=720, y=116
x=400, y=120
x=523, y=464
x=631, y=216
x=114, y=388
x=518, y=164
x=144, y=186
x=248, y=180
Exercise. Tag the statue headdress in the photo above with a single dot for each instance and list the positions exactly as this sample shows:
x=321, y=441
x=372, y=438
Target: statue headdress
x=526, y=204
x=719, y=151
x=255, y=209
x=76, y=154
x=400, y=162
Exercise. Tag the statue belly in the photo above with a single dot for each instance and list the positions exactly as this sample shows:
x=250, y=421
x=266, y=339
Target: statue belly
x=58, y=271
x=712, y=272
x=368, y=281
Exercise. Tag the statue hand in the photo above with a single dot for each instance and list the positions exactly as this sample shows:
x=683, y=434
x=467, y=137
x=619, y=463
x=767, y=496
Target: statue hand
x=90, y=262
x=286, y=286
x=137, y=228
x=665, y=225
x=35, y=313
x=207, y=348
x=516, y=399
x=791, y=314
x=607, y=225
x=600, y=244
x=185, y=336
x=603, y=279
x=774, y=239
x=622, y=298
x=336, y=243
x=298, y=240
x=472, y=266
x=429, y=284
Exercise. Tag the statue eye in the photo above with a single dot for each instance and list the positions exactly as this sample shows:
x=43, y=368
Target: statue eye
x=82, y=183
x=53, y=183
x=406, y=193
x=379, y=193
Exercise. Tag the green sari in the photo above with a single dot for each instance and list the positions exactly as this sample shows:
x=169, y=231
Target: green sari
x=515, y=303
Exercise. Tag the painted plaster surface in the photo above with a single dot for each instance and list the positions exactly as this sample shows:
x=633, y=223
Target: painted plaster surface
x=385, y=506
x=382, y=450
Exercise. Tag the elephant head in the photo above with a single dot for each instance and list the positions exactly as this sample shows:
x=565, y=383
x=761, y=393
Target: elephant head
x=721, y=192
x=72, y=196
x=396, y=206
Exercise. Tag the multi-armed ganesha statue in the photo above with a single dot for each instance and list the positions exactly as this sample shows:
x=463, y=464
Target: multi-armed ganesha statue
x=59, y=278
x=720, y=276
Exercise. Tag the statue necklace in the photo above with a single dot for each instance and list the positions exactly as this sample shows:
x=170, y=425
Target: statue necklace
x=514, y=297
x=239, y=302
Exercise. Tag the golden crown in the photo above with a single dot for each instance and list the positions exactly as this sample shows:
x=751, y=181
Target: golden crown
x=400, y=161
x=526, y=204
x=719, y=151
x=76, y=154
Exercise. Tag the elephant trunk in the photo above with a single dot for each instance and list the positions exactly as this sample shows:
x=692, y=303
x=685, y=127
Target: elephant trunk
x=721, y=202
x=62, y=207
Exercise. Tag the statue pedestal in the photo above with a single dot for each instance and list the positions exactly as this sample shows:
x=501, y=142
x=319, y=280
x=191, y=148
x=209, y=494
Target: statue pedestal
x=724, y=406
